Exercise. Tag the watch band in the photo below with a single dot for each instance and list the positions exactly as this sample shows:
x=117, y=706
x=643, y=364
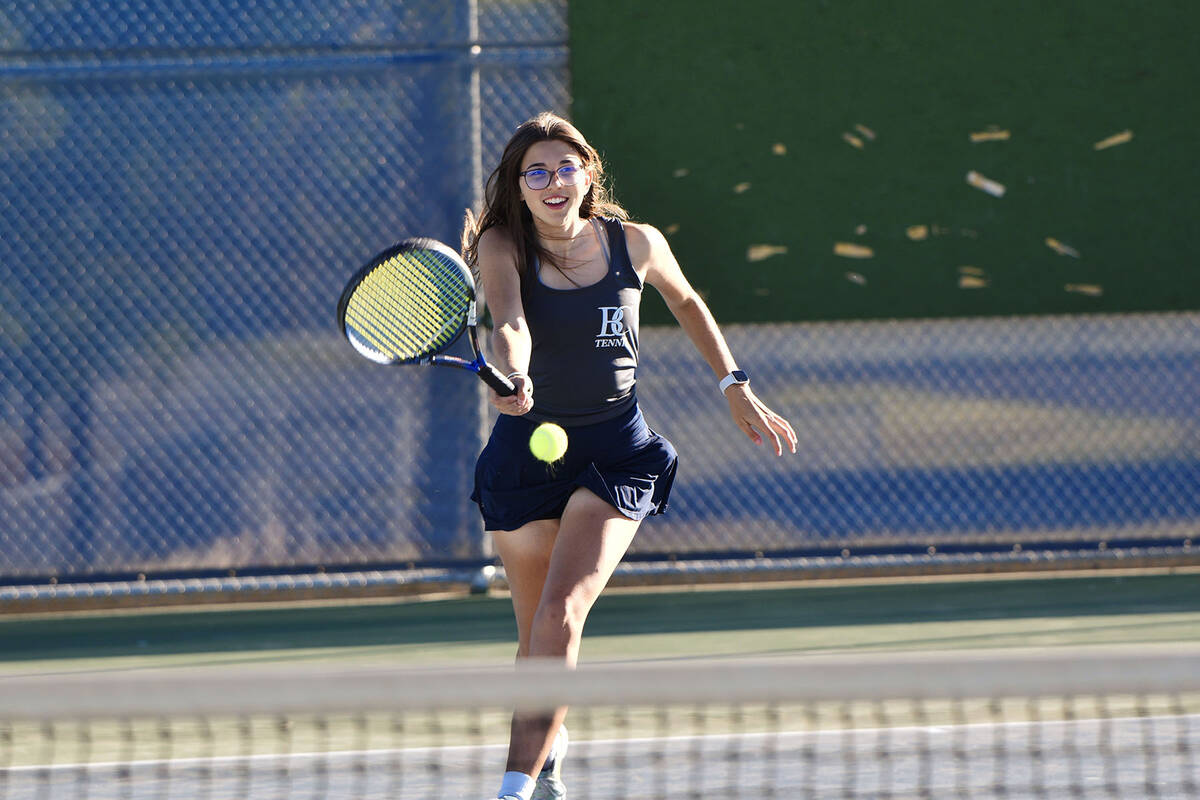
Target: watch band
x=737, y=376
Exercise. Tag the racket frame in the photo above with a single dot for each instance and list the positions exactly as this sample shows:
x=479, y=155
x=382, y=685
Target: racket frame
x=467, y=322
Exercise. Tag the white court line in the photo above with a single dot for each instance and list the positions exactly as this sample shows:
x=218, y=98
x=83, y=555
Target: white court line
x=586, y=743
x=901, y=729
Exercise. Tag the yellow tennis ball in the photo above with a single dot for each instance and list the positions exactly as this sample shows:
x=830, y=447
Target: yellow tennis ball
x=548, y=442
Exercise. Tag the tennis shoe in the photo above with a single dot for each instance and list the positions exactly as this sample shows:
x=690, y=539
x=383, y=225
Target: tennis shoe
x=549, y=781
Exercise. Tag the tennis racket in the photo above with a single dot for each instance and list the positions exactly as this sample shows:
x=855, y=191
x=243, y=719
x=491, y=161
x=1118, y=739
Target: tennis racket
x=412, y=302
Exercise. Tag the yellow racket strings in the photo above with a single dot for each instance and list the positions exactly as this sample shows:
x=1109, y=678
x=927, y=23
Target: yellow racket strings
x=409, y=306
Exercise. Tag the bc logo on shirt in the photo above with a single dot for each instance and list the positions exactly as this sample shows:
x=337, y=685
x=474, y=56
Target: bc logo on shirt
x=612, y=326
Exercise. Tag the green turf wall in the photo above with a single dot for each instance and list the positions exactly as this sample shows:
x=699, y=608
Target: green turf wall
x=729, y=124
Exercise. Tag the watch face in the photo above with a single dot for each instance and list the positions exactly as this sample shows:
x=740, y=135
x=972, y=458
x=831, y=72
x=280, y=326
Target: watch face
x=740, y=376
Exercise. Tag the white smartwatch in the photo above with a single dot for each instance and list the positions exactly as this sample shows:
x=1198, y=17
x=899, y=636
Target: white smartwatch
x=737, y=376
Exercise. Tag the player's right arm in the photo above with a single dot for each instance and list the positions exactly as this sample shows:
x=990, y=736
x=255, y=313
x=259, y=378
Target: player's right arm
x=510, y=340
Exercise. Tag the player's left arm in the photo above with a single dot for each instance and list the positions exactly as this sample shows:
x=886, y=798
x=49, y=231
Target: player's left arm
x=649, y=251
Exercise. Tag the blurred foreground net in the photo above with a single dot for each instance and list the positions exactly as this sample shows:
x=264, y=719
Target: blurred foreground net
x=1096, y=723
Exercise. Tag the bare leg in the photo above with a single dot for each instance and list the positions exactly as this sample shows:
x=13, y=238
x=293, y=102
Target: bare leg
x=591, y=539
x=526, y=556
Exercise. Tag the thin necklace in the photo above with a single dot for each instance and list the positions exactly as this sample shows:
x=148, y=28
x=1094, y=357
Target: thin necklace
x=566, y=257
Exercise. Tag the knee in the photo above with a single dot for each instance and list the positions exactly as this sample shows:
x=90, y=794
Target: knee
x=556, y=624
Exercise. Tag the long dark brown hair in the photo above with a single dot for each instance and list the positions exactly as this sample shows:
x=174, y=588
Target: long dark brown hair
x=503, y=208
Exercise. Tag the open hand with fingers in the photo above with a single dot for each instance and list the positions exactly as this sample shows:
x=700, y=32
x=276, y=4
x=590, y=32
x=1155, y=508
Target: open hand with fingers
x=757, y=421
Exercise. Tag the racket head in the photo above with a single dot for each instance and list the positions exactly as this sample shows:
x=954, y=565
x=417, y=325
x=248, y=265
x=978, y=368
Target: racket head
x=407, y=303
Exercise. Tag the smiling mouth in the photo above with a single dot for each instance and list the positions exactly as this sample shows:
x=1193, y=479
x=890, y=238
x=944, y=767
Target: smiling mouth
x=555, y=202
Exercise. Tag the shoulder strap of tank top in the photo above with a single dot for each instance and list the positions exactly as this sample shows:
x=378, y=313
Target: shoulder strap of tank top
x=602, y=237
x=622, y=265
x=529, y=276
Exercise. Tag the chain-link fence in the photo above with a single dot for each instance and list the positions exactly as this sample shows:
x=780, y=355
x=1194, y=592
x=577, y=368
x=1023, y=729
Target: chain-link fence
x=185, y=189
x=955, y=436
x=183, y=192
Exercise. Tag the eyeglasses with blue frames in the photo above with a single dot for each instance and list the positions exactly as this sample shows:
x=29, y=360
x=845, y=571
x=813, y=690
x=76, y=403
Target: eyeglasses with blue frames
x=539, y=178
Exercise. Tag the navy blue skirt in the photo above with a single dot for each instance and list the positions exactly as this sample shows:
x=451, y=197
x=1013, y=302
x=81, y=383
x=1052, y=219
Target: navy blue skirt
x=621, y=460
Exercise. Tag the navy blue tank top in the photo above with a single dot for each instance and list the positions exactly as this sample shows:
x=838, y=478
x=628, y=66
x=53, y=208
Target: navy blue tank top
x=585, y=340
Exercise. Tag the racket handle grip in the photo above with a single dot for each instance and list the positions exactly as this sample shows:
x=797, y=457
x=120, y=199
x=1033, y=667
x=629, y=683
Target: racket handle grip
x=503, y=386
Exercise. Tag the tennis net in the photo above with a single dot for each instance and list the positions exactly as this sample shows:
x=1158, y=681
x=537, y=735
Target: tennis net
x=1070, y=723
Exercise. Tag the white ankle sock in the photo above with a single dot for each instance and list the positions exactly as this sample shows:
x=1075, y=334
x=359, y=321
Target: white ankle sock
x=517, y=784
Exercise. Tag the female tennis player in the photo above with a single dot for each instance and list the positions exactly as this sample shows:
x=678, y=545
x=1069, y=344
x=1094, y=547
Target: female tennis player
x=562, y=270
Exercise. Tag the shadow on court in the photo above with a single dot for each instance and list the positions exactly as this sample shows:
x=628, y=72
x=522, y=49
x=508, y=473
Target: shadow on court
x=487, y=621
